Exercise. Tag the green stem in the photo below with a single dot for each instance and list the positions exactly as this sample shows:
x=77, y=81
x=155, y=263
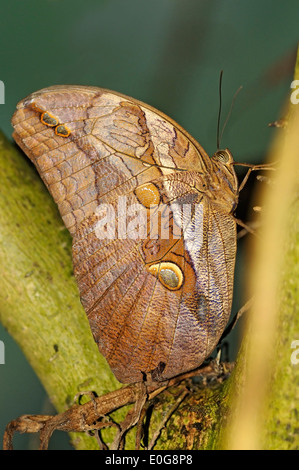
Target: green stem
x=39, y=299
x=264, y=393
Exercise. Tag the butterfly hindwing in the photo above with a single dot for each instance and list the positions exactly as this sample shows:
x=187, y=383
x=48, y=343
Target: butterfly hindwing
x=153, y=245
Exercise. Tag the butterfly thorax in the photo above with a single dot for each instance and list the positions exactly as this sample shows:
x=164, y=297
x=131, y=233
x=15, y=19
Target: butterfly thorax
x=219, y=187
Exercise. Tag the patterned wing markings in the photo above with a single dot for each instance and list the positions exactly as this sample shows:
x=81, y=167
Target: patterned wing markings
x=155, y=305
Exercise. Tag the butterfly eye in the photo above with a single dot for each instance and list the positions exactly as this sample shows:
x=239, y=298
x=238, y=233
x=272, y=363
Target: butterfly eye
x=222, y=156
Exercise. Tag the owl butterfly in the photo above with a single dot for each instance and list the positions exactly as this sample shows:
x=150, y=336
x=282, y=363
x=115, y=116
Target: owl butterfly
x=157, y=288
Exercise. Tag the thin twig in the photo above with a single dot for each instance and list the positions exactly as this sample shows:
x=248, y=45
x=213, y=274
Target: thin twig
x=166, y=418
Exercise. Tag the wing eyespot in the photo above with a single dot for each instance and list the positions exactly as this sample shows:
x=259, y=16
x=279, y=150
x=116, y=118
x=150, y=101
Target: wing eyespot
x=148, y=195
x=169, y=274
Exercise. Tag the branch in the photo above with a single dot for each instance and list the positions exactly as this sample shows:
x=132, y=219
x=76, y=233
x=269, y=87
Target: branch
x=264, y=391
x=39, y=299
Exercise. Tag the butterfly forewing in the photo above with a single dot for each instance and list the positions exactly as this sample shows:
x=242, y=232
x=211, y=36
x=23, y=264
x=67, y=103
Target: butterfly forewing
x=154, y=241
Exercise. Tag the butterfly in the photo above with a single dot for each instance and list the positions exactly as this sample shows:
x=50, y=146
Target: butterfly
x=151, y=217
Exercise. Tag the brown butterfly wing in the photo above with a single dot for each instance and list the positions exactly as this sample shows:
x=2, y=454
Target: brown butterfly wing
x=155, y=305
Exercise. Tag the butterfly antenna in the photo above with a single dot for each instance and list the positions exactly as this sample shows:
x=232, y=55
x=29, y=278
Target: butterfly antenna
x=219, y=112
x=219, y=136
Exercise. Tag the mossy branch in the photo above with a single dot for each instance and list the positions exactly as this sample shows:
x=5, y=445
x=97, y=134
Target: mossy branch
x=39, y=299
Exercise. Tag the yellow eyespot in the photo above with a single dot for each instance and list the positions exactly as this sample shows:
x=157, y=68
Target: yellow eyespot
x=169, y=274
x=48, y=119
x=148, y=195
x=62, y=130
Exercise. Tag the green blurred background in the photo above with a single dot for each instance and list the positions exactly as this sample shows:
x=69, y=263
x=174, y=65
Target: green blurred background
x=168, y=53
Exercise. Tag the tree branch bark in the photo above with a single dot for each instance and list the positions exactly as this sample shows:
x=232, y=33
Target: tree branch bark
x=39, y=299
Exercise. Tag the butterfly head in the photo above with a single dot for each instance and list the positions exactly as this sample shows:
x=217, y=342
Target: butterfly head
x=225, y=184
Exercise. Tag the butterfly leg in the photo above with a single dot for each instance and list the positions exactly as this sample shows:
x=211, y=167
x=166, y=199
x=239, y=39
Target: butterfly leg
x=251, y=167
x=131, y=418
x=245, y=226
